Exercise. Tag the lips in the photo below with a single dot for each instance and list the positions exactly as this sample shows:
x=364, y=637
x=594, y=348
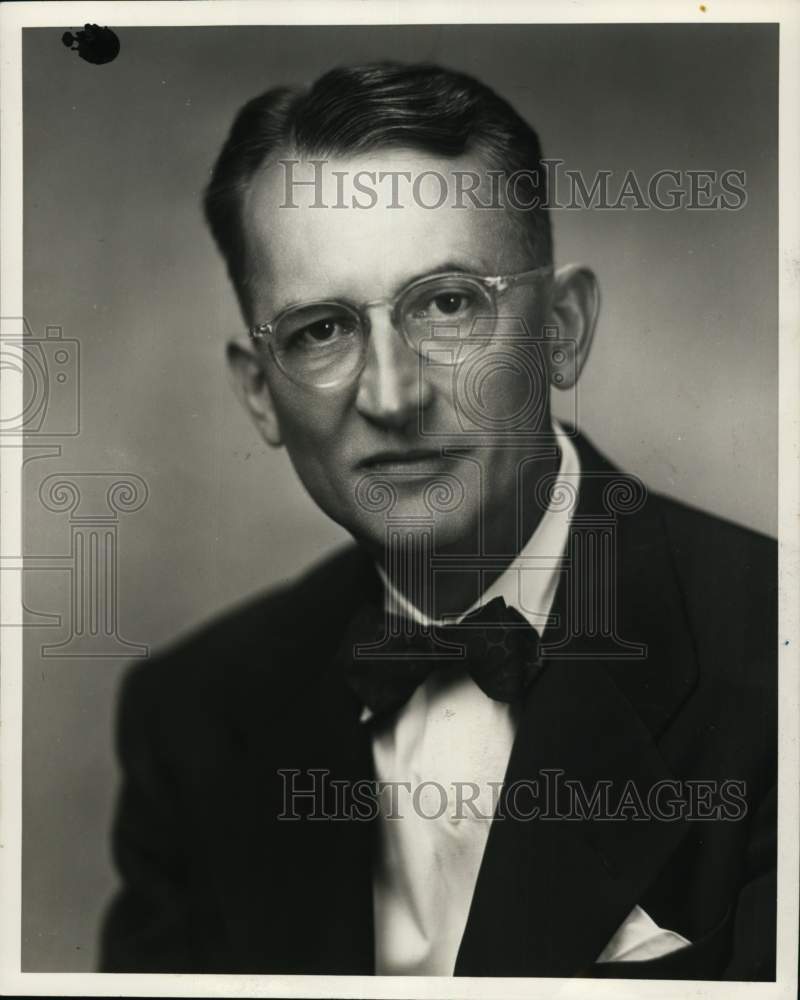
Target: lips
x=415, y=458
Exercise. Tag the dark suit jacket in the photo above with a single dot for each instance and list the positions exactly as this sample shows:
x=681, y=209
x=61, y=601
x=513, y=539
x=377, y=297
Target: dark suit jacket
x=213, y=882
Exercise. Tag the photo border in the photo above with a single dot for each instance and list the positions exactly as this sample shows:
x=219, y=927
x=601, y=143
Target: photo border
x=13, y=18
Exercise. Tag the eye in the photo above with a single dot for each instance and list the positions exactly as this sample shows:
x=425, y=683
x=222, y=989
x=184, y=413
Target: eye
x=318, y=332
x=451, y=303
x=445, y=303
x=322, y=330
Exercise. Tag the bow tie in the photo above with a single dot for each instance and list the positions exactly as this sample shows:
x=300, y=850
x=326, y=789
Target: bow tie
x=495, y=644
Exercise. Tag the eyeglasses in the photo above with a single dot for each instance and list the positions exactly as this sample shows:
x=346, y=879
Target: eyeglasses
x=324, y=344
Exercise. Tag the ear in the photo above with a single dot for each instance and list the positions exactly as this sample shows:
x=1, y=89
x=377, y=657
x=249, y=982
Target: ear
x=575, y=307
x=250, y=383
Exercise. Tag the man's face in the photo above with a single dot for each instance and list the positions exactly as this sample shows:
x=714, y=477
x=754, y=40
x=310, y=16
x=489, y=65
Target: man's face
x=392, y=421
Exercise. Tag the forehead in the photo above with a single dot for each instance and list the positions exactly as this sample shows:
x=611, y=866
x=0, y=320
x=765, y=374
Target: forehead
x=362, y=226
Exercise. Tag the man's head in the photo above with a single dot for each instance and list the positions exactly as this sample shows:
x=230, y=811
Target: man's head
x=454, y=185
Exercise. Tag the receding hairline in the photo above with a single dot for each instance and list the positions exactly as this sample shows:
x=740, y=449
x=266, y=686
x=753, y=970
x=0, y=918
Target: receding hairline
x=291, y=154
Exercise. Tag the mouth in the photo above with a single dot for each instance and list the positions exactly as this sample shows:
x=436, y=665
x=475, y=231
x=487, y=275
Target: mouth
x=410, y=460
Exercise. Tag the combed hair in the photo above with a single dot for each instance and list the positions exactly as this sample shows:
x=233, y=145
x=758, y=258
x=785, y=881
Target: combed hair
x=358, y=109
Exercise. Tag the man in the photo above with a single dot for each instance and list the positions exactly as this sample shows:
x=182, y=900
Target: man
x=560, y=689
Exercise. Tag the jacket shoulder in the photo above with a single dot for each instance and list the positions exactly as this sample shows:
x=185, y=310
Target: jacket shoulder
x=304, y=615
x=729, y=579
x=700, y=534
x=728, y=573
x=720, y=561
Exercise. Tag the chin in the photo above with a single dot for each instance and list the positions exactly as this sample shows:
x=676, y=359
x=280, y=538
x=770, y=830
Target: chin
x=407, y=524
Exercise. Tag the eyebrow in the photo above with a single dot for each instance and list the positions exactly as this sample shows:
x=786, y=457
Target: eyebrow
x=448, y=267
x=453, y=266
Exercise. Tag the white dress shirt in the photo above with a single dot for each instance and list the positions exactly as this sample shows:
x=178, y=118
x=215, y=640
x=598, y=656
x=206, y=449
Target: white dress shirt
x=450, y=734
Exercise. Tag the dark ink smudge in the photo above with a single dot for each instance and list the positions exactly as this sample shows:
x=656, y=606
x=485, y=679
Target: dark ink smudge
x=94, y=44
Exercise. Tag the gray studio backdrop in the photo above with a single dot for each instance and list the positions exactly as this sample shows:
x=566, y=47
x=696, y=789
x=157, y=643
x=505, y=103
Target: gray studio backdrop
x=681, y=389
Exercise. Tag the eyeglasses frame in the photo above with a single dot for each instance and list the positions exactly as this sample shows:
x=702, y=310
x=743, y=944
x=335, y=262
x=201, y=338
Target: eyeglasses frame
x=496, y=285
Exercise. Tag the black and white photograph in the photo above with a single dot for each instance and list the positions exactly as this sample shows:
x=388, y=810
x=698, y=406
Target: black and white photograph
x=400, y=499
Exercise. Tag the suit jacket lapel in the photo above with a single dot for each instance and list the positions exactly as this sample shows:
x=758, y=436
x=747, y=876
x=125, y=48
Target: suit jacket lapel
x=346, y=943
x=552, y=891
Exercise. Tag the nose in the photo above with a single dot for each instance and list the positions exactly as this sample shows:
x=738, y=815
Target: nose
x=392, y=388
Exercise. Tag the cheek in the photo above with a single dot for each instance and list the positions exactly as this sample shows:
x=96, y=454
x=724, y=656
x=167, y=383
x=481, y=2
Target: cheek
x=308, y=419
x=312, y=428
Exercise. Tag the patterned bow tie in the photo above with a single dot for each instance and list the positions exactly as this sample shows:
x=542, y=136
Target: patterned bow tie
x=495, y=644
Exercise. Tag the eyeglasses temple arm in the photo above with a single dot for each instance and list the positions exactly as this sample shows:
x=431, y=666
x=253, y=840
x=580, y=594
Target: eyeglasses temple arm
x=502, y=282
